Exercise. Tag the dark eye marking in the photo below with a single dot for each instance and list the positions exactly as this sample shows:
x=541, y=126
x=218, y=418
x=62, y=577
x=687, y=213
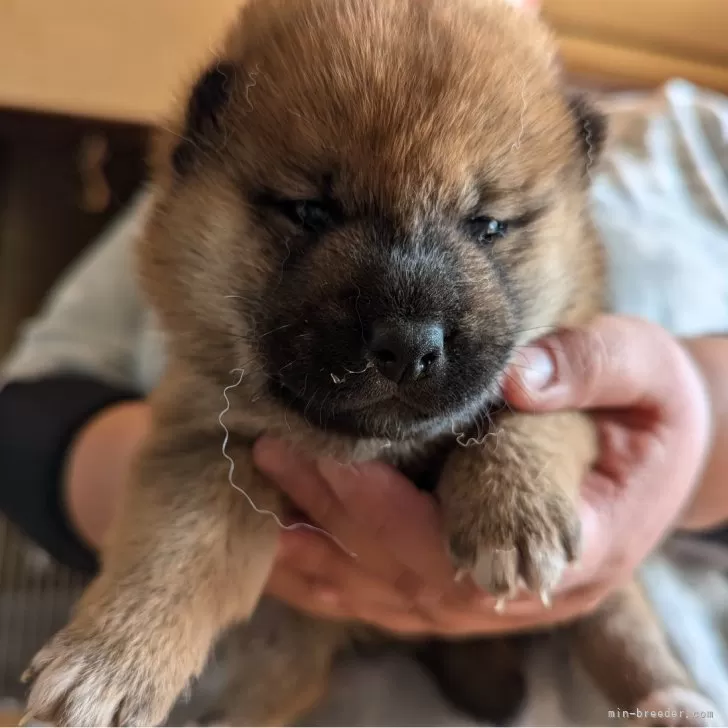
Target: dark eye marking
x=315, y=215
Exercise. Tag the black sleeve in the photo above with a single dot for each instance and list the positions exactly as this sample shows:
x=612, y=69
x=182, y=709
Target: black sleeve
x=38, y=422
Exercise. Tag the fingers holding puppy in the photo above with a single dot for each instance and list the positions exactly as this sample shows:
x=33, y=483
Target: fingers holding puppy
x=387, y=584
x=373, y=514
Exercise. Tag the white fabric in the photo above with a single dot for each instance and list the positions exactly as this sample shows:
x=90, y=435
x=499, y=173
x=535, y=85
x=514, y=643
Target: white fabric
x=661, y=204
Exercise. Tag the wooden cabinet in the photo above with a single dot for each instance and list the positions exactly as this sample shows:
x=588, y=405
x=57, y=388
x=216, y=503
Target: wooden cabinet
x=642, y=43
x=122, y=60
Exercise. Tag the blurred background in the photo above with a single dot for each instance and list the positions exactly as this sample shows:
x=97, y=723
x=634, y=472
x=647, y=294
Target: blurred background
x=82, y=83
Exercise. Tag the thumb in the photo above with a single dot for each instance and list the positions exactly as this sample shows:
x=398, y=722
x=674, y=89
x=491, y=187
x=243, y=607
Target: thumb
x=613, y=362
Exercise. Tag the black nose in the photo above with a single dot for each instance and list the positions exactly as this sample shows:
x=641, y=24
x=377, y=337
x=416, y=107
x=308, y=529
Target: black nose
x=406, y=350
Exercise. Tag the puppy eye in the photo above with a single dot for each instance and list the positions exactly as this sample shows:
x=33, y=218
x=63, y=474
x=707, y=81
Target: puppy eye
x=311, y=214
x=487, y=230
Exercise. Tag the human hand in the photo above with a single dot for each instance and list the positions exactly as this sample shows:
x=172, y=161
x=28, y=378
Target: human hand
x=652, y=412
x=652, y=416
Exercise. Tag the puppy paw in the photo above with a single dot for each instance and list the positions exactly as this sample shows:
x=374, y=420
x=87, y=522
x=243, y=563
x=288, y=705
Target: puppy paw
x=521, y=538
x=676, y=707
x=86, y=677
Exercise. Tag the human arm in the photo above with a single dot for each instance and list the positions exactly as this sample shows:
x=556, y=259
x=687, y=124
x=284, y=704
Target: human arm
x=73, y=360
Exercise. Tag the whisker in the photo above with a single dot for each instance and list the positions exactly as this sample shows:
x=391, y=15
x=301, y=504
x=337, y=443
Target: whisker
x=272, y=331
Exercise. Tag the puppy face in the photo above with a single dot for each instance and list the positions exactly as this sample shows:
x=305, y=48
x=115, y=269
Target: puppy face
x=373, y=202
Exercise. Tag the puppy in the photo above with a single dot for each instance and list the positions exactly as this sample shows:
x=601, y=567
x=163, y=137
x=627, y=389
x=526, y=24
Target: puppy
x=367, y=206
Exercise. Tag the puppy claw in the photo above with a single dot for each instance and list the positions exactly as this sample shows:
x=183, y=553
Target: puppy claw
x=500, y=605
x=534, y=547
x=545, y=599
x=27, y=717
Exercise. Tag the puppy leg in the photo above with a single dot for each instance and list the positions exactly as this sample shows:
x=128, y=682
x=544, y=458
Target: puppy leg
x=510, y=504
x=188, y=557
x=280, y=664
x=484, y=677
x=623, y=648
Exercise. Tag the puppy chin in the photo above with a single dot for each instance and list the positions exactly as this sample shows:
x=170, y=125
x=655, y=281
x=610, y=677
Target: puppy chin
x=389, y=420
x=398, y=419
x=369, y=406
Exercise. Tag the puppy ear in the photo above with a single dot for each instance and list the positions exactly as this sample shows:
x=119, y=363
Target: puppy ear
x=591, y=125
x=206, y=103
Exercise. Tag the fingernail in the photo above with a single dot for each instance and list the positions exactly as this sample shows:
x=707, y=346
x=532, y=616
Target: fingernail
x=535, y=367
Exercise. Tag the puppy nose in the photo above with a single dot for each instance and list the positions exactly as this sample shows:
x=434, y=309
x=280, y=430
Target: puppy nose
x=407, y=350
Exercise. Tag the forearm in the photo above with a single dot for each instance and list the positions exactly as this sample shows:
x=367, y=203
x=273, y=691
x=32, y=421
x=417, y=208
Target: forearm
x=78, y=357
x=98, y=465
x=709, y=508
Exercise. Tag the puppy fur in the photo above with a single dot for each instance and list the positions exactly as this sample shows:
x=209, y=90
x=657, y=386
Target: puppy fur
x=345, y=167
